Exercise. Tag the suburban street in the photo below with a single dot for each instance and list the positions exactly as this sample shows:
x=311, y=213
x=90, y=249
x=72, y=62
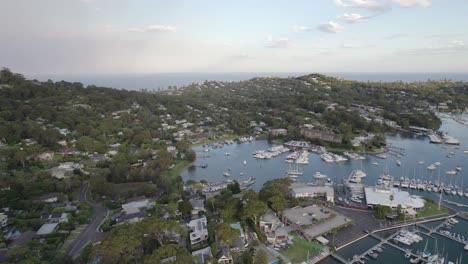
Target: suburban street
x=83, y=191
x=91, y=232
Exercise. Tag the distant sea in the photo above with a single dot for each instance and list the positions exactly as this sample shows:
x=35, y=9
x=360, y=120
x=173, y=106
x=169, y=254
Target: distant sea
x=163, y=80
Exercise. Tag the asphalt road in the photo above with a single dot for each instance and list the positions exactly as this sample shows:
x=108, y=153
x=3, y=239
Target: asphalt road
x=83, y=192
x=91, y=232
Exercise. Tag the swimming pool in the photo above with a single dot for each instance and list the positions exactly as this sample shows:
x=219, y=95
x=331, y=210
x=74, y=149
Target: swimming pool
x=236, y=226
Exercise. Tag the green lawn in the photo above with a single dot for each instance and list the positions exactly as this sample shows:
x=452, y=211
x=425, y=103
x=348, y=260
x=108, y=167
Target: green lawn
x=431, y=209
x=179, y=167
x=298, y=251
x=215, y=140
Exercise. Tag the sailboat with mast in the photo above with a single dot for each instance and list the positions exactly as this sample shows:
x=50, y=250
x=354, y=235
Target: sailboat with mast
x=293, y=170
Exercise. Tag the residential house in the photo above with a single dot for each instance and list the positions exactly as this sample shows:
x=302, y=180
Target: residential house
x=46, y=156
x=134, y=204
x=199, y=230
x=49, y=198
x=59, y=172
x=55, y=218
x=173, y=237
x=269, y=224
x=203, y=254
x=130, y=218
x=47, y=229
x=198, y=205
x=224, y=256
x=3, y=220
x=278, y=132
x=23, y=239
x=172, y=150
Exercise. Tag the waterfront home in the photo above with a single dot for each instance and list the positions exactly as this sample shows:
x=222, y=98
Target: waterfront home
x=357, y=141
x=278, y=132
x=307, y=191
x=324, y=135
x=199, y=230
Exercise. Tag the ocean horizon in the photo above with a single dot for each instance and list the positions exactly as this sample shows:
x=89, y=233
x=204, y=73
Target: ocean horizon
x=155, y=81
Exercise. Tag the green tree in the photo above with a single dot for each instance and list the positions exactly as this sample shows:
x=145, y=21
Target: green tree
x=122, y=245
x=182, y=256
x=226, y=234
x=185, y=208
x=234, y=187
x=260, y=257
x=277, y=203
x=381, y=211
x=172, y=209
x=253, y=209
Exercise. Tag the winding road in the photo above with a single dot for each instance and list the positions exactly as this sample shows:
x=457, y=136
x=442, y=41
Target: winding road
x=91, y=232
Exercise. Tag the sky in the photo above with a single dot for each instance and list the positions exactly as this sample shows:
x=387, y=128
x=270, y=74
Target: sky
x=155, y=36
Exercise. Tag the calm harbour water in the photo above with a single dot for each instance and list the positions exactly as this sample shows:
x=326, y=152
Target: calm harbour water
x=416, y=149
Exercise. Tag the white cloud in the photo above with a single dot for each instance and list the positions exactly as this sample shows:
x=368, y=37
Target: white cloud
x=453, y=47
x=242, y=55
x=330, y=27
x=153, y=28
x=396, y=36
x=366, y=4
x=413, y=3
x=298, y=29
x=357, y=46
x=279, y=43
x=352, y=17
x=457, y=44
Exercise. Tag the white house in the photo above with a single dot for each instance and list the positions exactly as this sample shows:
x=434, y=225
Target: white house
x=199, y=230
x=314, y=191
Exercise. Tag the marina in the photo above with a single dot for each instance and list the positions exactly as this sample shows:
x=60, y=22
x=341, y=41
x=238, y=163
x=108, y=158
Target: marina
x=416, y=167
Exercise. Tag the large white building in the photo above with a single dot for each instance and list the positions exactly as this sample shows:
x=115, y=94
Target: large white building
x=314, y=191
x=392, y=197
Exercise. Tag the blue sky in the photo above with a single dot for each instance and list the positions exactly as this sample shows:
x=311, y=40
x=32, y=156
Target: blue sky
x=151, y=36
